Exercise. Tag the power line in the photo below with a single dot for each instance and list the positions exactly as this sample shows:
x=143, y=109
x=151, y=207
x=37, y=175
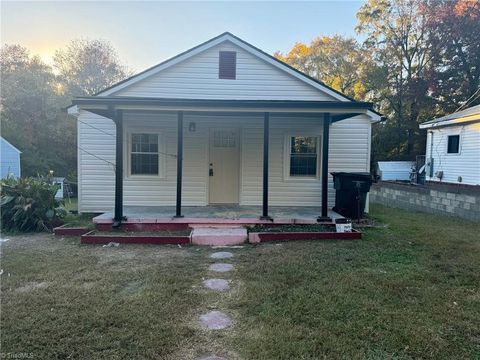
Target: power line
x=114, y=136
x=98, y=157
x=470, y=99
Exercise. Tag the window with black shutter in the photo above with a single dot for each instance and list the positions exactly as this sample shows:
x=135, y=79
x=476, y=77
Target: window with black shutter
x=227, y=65
x=453, y=144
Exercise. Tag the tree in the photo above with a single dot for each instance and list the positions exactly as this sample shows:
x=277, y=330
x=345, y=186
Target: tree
x=86, y=67
x=396, y=33
x=337, y=61
x=30, y=110
x=454, y=28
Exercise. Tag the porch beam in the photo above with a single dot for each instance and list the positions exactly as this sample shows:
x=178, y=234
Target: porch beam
x=325, y=142
x=178, y=213
x=117, y=116
x=266, y=139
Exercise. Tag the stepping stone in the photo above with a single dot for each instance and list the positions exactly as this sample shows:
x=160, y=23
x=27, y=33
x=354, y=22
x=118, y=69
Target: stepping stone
x=212, y=358
x=220, y=267
x=216, y=284
x=221, y=255
x=215, y=320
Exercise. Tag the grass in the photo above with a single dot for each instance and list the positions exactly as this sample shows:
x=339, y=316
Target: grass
x=407, y=290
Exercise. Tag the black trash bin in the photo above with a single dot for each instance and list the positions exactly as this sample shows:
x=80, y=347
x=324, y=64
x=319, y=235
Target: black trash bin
x=351, y=187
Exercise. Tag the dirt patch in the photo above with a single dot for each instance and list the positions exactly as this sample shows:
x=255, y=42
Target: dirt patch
x=144, y=233
x=292, y=228
x=32, y=286
x=132, y=288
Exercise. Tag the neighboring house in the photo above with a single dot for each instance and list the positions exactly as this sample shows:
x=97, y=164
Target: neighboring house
x=453, y=147
x=60, y=181
x=9, y=159
x=394, y=170
x=214, y=105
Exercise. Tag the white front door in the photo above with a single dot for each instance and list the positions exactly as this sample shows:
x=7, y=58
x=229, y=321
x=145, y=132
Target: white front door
x=224, y=166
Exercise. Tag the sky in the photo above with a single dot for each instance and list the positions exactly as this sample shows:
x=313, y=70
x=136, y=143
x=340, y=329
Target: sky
x=146, y=33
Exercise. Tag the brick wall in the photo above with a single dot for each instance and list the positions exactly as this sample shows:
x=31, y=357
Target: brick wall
x=436, y=198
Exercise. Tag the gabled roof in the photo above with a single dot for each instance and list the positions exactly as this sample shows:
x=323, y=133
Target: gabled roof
x=467, y=115
x=13, y=147
x=239, y=42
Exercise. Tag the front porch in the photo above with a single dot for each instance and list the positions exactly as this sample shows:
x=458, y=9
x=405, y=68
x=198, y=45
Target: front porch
x=215, y=215
x=262, y=183
x=223, y=225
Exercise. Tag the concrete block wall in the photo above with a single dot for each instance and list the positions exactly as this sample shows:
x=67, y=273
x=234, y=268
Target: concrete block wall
x=437, y=198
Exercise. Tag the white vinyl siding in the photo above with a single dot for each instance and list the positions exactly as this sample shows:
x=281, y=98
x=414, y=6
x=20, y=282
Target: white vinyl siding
x=349, y=151
x=9, y=160
x=465, y=163
x=197, y=78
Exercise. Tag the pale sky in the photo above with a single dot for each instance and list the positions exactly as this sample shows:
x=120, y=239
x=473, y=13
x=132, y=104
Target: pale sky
x=146, y=33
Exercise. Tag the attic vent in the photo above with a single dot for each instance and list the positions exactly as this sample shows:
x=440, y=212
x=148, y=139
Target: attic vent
x=227, y=65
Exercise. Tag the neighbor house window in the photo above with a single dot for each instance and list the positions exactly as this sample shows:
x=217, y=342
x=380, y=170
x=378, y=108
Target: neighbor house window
x=144, y=157
x=227, y=65
x=453, y=144
x=302, y=157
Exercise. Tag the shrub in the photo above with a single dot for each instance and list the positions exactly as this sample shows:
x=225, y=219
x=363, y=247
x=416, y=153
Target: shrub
x=29, y=204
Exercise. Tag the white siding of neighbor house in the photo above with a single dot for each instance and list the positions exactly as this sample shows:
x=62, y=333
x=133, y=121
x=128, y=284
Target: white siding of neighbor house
x=197, y=78
x=465, y=164
x=349, y=151
x=9, y=160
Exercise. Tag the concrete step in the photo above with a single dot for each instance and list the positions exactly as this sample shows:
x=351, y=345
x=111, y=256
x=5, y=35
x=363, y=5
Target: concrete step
x=212, y=236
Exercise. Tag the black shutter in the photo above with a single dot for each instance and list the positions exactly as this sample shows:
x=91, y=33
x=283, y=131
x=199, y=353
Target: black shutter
x=227, y=65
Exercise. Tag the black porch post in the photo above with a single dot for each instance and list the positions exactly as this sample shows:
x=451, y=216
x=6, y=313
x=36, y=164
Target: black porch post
x=326, y=134
x=179, y=163
x=266, y=129
x=118, y=119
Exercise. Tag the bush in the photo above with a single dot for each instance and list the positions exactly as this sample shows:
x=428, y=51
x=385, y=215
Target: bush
x=29, y=204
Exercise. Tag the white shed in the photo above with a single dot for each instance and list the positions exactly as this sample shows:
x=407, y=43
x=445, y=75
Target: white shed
x=453, y=147
x=9, y=159
x=394, y=170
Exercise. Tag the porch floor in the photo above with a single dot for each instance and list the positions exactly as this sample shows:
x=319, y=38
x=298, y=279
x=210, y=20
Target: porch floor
x=221, y=214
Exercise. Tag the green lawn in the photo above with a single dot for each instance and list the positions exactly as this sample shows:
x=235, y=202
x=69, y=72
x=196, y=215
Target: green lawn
x=409, y=289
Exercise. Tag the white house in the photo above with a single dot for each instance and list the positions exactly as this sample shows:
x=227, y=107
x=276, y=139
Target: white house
x=453, y=147
x=9, y=159
x=221, y=123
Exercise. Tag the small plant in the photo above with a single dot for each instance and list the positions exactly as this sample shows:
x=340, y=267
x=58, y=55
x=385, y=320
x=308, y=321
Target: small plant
x=29, y=204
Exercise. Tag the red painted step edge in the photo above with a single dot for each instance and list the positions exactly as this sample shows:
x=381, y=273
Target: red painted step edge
x=91, y=238
x=64, y=230
x=282, y=236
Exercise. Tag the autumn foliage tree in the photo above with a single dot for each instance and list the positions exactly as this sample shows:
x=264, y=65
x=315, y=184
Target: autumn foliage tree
x=419, y=60
x=454, y=29
x=339, y=62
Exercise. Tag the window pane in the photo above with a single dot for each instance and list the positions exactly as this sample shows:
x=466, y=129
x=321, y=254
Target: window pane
x=303, y=164
x=145, y=164
x=303, y=145
x=145, y=143
x=453, y=144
